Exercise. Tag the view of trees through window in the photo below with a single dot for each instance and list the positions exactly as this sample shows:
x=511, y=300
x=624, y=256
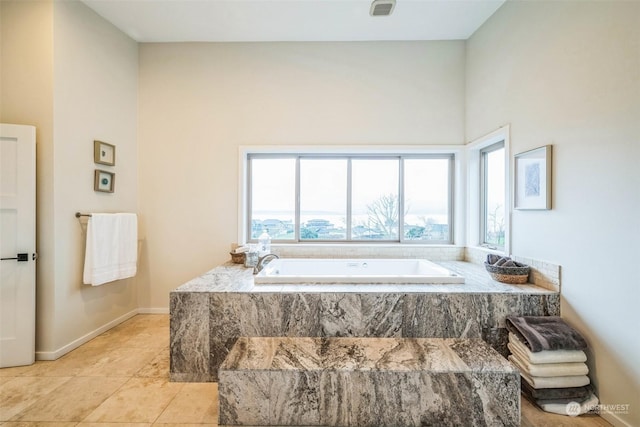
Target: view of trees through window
x=375, y=201
x=493, y=190
x=350, y=198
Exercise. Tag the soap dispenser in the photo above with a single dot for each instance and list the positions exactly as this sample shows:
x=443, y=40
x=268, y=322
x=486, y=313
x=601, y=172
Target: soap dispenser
x=264, y=243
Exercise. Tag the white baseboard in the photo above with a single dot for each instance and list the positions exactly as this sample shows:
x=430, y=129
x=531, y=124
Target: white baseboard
x=614, y=419
x=56, y=354
x=157, y=310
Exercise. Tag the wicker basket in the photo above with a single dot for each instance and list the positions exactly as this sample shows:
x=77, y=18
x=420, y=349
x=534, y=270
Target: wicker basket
x=237, y=258
x=513, y=275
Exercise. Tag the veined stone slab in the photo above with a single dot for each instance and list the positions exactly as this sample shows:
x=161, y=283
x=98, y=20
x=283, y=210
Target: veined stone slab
x=367, y=382
x=209, y=313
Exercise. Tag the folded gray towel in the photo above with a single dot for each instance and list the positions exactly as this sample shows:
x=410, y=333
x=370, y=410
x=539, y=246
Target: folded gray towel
x=541, y=402
x=545, y=333
x=501, y=261
x=549, y=394
x=492, y=258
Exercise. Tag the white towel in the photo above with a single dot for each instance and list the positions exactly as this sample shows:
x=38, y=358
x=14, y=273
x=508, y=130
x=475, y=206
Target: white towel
x=547, y=356
x=548, y=369
x=573, y=409
x=112, y=248
x=551, y=382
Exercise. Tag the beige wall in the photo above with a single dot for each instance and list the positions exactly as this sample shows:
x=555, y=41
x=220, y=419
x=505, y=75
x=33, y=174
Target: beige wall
x=95, y=97
x=568, y=74
x=26, y=97
x=199, y=102
x=74, y=76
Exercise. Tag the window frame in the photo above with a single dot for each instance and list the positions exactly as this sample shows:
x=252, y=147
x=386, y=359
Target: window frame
x=435, y=152
x=474, y=232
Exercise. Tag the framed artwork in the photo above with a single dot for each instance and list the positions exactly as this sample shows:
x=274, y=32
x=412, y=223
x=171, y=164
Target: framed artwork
x=104, y=154
x=104, y=181
x=533, y=179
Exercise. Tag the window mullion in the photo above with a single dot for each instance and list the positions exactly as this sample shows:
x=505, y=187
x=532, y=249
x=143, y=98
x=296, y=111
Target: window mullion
x=401, y=200
x=298, y=225
x=483, y=198
x=249, y=224
x=349, y=194
x=450, y=192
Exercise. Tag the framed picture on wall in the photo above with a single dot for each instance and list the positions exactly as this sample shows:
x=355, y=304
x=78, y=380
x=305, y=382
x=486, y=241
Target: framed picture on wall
x=104, y=181
x=104, y=154
x=533, y=179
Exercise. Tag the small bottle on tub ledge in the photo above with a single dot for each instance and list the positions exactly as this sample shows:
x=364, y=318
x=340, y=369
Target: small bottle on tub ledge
x=264, y=243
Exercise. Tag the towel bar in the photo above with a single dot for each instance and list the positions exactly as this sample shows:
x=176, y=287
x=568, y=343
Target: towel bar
x=78, y=215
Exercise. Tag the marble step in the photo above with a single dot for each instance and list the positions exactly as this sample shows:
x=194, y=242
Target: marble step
x=336, y=381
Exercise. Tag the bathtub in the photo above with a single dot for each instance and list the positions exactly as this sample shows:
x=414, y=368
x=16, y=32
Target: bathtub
x=300, y=271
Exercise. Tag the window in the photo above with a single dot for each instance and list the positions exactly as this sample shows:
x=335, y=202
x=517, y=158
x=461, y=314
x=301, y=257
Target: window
x=488, y=199
x=350, y=198
x=492, y=190
x=273, y=197
x=427, y=213
x=323, y=199
x=375, y=199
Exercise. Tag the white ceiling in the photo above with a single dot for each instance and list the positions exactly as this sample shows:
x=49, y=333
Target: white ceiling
x=293, y=20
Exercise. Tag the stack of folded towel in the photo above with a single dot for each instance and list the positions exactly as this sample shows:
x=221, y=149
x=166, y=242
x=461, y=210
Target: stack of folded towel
x=550, y=356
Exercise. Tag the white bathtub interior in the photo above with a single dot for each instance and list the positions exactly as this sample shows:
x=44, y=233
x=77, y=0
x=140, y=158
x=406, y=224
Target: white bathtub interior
x=369, y=271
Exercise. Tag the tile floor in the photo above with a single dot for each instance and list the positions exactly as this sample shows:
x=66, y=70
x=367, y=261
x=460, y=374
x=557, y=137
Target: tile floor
x=120, y=379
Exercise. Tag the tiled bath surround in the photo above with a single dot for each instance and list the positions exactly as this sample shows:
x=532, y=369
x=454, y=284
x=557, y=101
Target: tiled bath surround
x=430, y=252
x=209, y=313
x=543, y=274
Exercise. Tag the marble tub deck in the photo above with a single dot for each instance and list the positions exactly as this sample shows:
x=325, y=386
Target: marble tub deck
x=367, y=382
x=209, y=313
x=230, y=277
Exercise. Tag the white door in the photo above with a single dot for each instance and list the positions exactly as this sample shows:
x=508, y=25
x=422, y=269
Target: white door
x=17, y=244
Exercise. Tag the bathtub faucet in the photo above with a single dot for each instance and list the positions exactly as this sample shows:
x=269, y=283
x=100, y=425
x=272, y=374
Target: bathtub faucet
x=262, y=261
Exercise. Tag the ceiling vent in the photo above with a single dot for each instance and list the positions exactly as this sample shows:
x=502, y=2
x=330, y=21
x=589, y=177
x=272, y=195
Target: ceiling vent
x=382, y=7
